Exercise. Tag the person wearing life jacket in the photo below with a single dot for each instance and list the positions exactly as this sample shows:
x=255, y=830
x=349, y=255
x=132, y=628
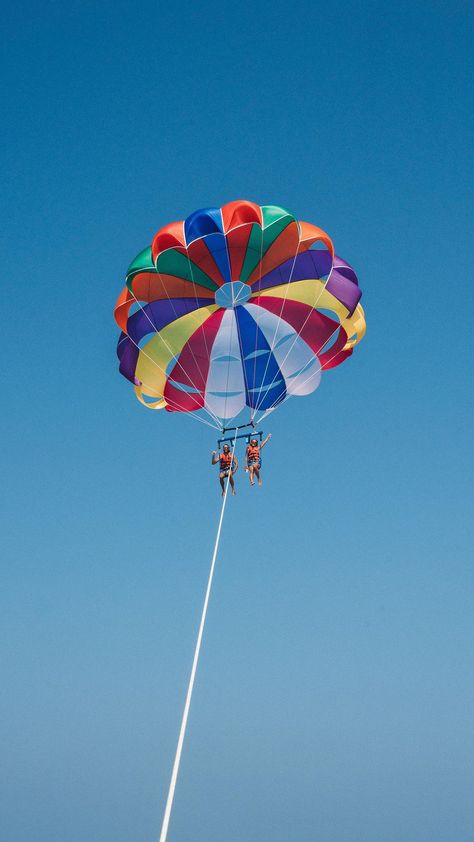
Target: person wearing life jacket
x=253, y=462
x=228, y=465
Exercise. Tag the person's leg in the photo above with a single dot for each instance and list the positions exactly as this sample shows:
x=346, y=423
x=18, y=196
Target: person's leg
x=231, y=480
x=257, y=473
x=251, y=470
x=221, y=480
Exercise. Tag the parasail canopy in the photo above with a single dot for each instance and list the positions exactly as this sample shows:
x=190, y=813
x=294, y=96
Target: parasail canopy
x=234, y=310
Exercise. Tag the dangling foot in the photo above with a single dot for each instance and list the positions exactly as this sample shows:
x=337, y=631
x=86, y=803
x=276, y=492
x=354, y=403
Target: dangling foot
x=252, y=482
x=234, y=493
x=260, y=482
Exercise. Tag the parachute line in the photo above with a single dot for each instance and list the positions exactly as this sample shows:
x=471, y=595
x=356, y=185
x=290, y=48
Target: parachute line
x=271, y=408
x=253, y=409
x=202, y=327
x=197, y=649
x=179, y=407
x=260, y=399
x=175, y=356
x=297, y=333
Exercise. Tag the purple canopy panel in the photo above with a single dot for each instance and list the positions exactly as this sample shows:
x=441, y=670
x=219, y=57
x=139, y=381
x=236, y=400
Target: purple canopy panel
x=155, y=316
x=127, y=353
x=345, y=290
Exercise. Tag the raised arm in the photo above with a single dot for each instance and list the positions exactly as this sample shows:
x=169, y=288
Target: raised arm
x=265, y=440
x=215, y=458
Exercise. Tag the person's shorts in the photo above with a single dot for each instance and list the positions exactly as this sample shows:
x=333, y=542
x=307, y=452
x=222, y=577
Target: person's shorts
x=254, y=463
x=224, y=472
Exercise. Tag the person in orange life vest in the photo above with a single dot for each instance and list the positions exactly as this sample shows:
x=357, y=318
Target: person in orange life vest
x=228, y=467
x=253, y=462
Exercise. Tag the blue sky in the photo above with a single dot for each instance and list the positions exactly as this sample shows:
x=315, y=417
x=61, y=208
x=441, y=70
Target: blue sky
x=334, y=692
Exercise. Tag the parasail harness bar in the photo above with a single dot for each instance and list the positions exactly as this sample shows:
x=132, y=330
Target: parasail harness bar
x=240, y=427
x=249, y=436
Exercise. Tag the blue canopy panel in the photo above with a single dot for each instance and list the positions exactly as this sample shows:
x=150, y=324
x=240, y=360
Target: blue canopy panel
x=217, y=245
x=264, y=382
x=202, y=222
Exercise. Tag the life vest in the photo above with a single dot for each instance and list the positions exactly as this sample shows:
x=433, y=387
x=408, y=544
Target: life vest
x=226, y=459
x=253, y=453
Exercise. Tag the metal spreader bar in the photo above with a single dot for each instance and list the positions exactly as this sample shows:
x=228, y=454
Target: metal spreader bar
x=255, y=434
x=240, y=427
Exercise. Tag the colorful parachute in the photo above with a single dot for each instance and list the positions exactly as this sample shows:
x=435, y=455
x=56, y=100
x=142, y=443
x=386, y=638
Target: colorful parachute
x=234, y=310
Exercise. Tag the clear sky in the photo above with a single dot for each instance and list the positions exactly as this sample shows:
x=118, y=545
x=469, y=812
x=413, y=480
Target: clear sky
x=334, y=697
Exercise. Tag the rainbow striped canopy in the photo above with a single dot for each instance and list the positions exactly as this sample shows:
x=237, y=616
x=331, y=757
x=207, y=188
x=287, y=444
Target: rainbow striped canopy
x=234, y=310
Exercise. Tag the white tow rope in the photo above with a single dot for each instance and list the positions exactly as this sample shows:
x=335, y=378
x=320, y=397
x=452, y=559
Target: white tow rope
x=184, y=721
